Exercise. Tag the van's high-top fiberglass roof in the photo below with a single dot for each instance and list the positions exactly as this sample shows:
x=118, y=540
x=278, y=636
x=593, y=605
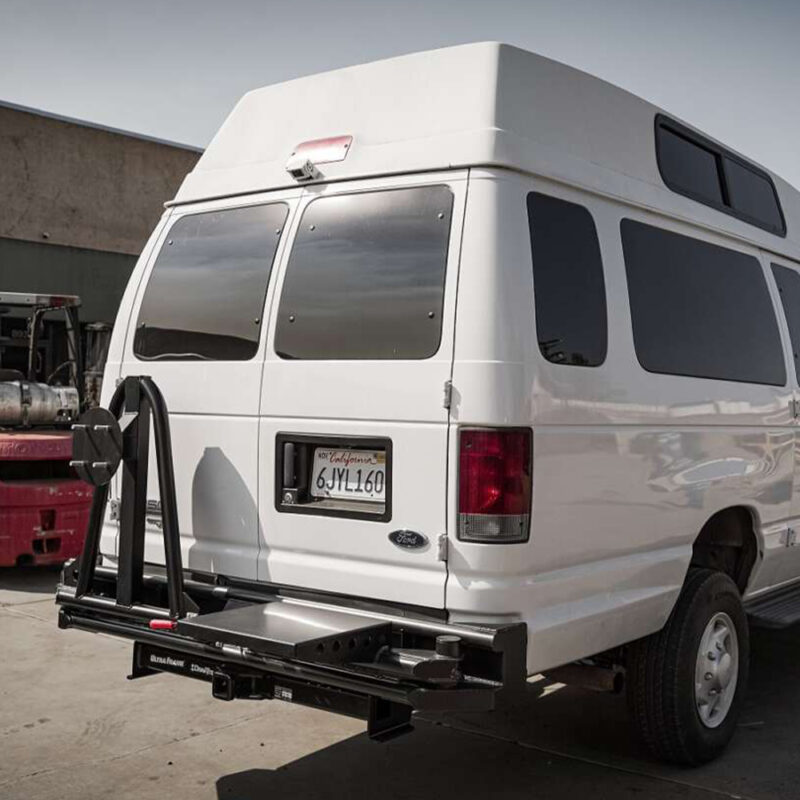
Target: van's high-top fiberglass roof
x=483, y=104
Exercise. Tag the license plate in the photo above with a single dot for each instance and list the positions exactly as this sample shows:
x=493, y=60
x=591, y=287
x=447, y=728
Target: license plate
x=349, y=474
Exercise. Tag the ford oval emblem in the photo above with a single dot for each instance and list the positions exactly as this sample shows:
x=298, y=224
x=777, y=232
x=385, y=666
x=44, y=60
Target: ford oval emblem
x=408, y=540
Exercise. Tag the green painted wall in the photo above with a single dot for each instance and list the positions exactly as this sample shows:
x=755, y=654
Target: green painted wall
x=98, y=277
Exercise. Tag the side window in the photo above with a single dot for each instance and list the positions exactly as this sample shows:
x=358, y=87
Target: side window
x=789, y=287
x=696, y=167
x=689, y=167
x=700, y=310
x=206, y=292
x=568, y=286
x=752, y=194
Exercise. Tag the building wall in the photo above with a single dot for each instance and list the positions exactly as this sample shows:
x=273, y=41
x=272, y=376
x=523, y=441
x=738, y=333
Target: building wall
x=77, y=204
x=97, y=277
x=74, y=185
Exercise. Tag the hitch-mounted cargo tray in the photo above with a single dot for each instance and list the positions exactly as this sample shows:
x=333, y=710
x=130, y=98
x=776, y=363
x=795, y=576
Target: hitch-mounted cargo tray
x=307, y=633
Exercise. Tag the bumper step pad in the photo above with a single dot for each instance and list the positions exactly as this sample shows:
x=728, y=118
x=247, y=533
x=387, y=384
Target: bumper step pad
x=777, y=610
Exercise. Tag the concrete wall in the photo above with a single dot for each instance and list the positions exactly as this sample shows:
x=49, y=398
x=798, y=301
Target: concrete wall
x=77, y=204
x=80, y=186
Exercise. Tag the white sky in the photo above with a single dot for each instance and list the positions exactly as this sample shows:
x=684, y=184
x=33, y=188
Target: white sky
x=174, y=68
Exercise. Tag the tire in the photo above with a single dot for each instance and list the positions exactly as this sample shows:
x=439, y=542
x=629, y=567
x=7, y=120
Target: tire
x=686, y=708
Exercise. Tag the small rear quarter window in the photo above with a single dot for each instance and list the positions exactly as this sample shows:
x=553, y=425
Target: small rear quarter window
x=568, y=286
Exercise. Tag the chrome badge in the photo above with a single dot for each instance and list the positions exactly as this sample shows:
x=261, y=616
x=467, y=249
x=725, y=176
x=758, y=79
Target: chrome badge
x=408, y=540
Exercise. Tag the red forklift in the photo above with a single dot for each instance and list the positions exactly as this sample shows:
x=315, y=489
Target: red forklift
x=44, y=507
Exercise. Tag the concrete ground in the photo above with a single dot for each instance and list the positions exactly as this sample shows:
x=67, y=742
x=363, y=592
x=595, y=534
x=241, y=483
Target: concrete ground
x=71, y=726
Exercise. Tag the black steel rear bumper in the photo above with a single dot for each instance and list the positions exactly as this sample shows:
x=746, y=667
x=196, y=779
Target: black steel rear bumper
x=254, y=641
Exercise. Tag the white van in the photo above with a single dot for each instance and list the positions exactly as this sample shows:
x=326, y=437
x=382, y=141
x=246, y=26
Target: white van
x=476, y=367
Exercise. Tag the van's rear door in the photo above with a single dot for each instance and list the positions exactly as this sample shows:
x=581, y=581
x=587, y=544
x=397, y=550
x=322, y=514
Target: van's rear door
x=353, y=427
x=197, y=329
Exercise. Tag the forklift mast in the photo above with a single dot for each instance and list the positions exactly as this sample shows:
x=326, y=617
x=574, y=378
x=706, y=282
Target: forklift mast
x=39, y=306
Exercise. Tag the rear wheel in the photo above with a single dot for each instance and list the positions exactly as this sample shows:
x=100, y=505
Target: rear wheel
x=686, y=683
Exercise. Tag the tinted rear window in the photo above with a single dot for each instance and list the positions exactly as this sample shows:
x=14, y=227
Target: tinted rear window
x=752, y=194
x=700, y=310
x=365, y=278
x=205, y=296
x=689, y=167
x=789, y=288
x=568, y=286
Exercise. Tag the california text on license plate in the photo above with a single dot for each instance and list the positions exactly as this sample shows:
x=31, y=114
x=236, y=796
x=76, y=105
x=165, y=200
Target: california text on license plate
x=349, y=474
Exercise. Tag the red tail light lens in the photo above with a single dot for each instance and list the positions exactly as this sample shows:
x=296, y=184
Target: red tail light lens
x=494, y=485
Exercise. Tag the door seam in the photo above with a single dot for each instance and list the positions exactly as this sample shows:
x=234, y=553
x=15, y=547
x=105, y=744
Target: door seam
x=447, y=470
x=278, y=265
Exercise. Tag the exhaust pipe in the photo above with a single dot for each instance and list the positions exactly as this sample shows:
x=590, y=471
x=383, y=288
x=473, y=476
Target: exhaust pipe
x=588, y=676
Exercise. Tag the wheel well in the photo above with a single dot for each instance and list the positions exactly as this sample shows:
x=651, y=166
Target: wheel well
x=727, y=543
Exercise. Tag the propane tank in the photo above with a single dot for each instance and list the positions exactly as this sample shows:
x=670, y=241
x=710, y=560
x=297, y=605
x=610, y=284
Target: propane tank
x=23, y=403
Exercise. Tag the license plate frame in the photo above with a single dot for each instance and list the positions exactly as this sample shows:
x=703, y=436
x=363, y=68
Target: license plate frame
x=300, y=500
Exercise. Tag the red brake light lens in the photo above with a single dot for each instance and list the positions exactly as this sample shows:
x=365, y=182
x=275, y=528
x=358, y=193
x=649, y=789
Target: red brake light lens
x=494, y=485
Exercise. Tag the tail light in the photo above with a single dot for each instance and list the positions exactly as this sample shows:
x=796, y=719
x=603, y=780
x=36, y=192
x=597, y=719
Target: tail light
x=494, y=485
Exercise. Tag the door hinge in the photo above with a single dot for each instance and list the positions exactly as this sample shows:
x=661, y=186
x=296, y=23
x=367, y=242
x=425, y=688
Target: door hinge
x=441, y=547
x=448, y=393
x=789, y=537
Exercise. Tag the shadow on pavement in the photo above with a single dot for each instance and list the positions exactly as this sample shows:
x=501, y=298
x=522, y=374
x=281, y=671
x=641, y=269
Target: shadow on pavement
x=40, y=580
x=557, y=742
x=437, y=762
